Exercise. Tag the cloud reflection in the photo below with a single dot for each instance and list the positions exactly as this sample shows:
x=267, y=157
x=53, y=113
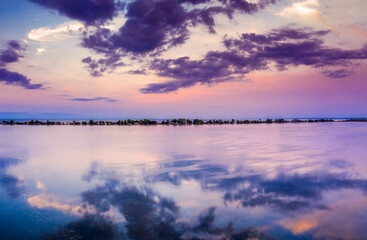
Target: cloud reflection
x=12, y=185
x=147, y=215
x=90, y=227
x=283, y=192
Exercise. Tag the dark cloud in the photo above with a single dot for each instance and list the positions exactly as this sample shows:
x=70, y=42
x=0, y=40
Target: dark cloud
x=150, y=25
x=93, y=99
x=11, y=55
x=17, y=79
x=285, y=47
x=150, y=28
x=206, y=15
x=293, y=47
x=89, y=11
x=194, y=1
x=15, y=45
x=154, y=26
x=138, y=72
x=216, y=67
x=339, y=73
x=97, y=67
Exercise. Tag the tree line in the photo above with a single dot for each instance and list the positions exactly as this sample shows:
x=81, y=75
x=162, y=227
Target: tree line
x=179, y=121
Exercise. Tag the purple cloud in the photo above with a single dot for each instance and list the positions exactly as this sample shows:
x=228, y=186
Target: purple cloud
x=339, y=73
x=214, y=68
x=94, y=99
x=153, y=26
x=90, y=12
x=206, y=15
x=294, y=47
x=10, y=54
x=15, y=45
x=17, y=79
x=7, y=77
x=138, y=72
x=98, y=67
x=283, y=47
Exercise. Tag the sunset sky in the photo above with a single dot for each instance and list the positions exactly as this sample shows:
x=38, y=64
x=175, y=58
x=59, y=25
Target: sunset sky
x=183, y=58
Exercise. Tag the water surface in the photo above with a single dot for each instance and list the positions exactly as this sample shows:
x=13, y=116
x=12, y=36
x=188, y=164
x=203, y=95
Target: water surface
x=275, y=181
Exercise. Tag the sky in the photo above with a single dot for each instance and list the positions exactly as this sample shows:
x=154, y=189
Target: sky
x=183, y=58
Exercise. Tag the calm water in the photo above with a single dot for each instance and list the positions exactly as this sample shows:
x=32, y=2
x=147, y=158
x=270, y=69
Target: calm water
x=291, y=181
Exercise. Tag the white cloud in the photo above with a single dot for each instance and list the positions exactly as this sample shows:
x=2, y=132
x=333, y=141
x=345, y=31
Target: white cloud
x=301, y=8
x=40, y=50
x=67, y=29
x=48, y=34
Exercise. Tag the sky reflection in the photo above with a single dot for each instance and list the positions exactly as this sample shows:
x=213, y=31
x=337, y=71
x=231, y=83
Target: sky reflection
x=292, y=182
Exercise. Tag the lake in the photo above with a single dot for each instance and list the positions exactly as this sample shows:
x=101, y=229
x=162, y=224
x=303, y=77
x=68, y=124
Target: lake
x=265, y=181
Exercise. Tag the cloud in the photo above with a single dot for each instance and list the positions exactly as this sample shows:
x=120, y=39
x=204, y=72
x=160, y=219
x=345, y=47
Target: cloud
x=216, y=67
x=90, y=12
x=17, y=79
x=46, y=34
x=40, y=50
x=15, y=45
x=138, y=72
x=11, y=55
x=97, y=67
x=302, y=8
x=152, y=27
x=339, y=73
x=94, y=99
x=284, y=47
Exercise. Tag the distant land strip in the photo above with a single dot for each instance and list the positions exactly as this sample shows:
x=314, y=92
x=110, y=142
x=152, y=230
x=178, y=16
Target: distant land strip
x=175, y=122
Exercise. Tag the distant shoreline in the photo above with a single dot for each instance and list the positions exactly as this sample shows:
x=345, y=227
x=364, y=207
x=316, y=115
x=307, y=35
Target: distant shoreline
x=173, y=122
